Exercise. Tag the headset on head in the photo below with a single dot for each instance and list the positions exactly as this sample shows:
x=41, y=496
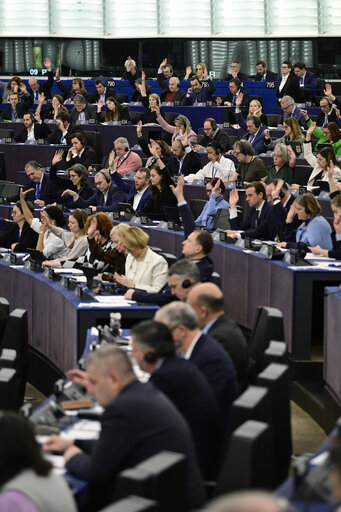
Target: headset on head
x=256, y=121
x=186, y=283
x=216, y=147
x=105, y=175
x=242, y=147
x=150, y=356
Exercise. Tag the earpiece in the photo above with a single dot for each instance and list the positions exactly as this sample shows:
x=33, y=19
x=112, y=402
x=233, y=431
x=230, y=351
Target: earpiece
x=126, y=150
x=186, y=283
x=106, y=176
x=150, y=357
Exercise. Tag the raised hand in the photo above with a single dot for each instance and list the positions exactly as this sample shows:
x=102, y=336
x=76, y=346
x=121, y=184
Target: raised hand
x=305, y=114
x=99, y=105
x=276, y=191
x=41, y=97
x=23, y=193
x=184, y=139
x=57, y=75
x=267, y=133
x=178, y=191
x=239, y=99
x=57, y=157
x=37, y=117
x=112, y=157
x=47, y=63
x=143, y=75
x=22, y=87
x=234, y=197
x=328, y=90
x=216, y=187
x=92, y=228
x=163, y=63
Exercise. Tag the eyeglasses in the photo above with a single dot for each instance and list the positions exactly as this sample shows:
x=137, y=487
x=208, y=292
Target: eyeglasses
x=209, y=191
x=198, y=69
x=284, y=67
x=236, y=153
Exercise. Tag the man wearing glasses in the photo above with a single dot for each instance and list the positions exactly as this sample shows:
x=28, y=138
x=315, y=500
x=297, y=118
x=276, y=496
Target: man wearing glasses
x=288, y=84
x=235, y=72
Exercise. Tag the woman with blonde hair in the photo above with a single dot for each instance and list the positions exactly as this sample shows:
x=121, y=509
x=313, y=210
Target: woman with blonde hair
x=256, y=109
x=292, y=132
x=182, y=126
x=144, y=269
x=200, y=72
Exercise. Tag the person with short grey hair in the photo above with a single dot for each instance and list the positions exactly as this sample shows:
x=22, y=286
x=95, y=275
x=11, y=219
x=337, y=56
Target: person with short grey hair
x=182, y=275
x=82, y=110
x=171, y=92
x=291, y=110
x=284, y=162
x=122, y=159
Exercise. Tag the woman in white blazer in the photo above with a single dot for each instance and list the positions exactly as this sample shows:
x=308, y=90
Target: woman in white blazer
x=144, y=269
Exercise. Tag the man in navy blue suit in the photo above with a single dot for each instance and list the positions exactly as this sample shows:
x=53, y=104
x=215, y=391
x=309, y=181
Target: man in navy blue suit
x=153, y=349
x=105, y=199
x=200, y=91
x=291, y=110
x=264, y=220
x=263, y=74
x=138, y=421
x=44, y=191
x=202, y=350
x=306, y=78
x=139, y=194
x=254, y=129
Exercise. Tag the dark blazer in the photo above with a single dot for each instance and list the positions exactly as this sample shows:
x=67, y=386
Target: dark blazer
x=258, y=142
x=22, y=108
x=48, y=192
x=179, y=95
x=220, y=137
x=270, y=223
x=297, y=114
x=186, y=387
x=41, y=131
x=94, y=97
x=27, y=240
x=139, y=423
x=335, y=252
x=309, y=80
x=114, y=197
x=218, y=368
x=87, y=158
x=232, y=98
x=269, y=77
x=229, y=335
x=45, y=85
x=124, y=118
x=67, y=92
x=130, y=191
x=56, y=136
x=240, y=75
x=89, y=111
x=63, y=183
x=289, y=203
x=291, y=88
x=331, y=118
x=190, y=165
x=202, y=96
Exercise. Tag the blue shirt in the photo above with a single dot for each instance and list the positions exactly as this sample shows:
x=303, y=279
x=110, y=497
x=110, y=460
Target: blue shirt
x=207, y=216
x=315, y=232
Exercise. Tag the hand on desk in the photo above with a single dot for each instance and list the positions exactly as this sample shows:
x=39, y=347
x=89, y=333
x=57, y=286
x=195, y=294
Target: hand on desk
x=282, y=244
x=319, y=251
x=231, y=233
x=57, y=444
x=123, y=280
x=129, y=294
x=52, y=263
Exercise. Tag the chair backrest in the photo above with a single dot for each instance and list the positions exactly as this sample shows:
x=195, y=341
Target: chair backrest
x=268, y=326
x=197, y=206
x=222, y=219
x=275, y=353
x=94, y=140
x=10, y=390
x=135, y=116
x=2, y=166
x=132, y=504
x=215, y=278
x=253, y=404
x=301, y=174
x=274, y=119
x=170, y=117
x=6, y=132
x=276, y=378
x=4, y=314
x=122, y=98
x=170, y=258
x=249, y=461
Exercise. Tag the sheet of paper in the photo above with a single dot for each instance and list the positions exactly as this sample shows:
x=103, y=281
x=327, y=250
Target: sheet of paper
x=68, y=271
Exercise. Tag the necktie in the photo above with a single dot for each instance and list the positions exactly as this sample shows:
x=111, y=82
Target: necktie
x=36, y=96
x=263, y=78
x=251, y=139
x=301, y=80
x=234, y=100
x=37, y=190
x=325, y=120
x=257, y=217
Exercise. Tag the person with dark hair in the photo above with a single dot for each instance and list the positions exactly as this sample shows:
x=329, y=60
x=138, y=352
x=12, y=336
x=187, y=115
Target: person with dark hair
x=50, y=245
x=159, y=146
x=80, y=153
x=139, y=194
x=207, y=300
x=287, y=84
x=306, y=79
x=215, y=189
x=235, y=72
x=16, y=109
x=34, y=130
x=264, y=220
x=138, y=422
x=153, y=349
x=213, y=134
x=250, y=168
x=286, y=198
x=198, y=93
x=114, y=111
x=263, y=74
x=184, y=160
x=218, y=166
x=52, y=110
x=102, y=92
x=236, y=89
x=328, y=112
x=64, y=129
x=77, y=87
x=335, y=252
x=253, y=126
x=161, y=194
x=330, y=134
x=18, y=235
x=82, y=111
x=78, y=177
x=27, y=480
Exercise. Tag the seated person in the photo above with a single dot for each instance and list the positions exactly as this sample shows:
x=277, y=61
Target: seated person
x=200, y=72
x=102, y=253
x=17, y=109
x=114, y=111
x=42, y=190
x=13, y=85
x=235, y=72
x=305, y=225
x=291, y=110
x=78, y=177
x=286, y=198
x=75, y=238
x=182, y=127
x=80, y=153
x=144, y=269
x=263, y=220
x=82, y=111
x=18, y=235
x=102, y=92
x=28, y=481
x=292, y=132
x=284, y=162
x=183, y=160
x=256, y=109
x=213, y=134
x=161, y=194
x=131, y=71
x=104, y=199
x=218, y=166
x=215, y=189
x=44, y=86
x=236, y=89
x=151, y=103
x=170, y=93
x=307, y=79
x=33, y=131
x=160, y=146
x=263, y=74
x=50, y=245
x=250, y=168
x=330, y=134
x=52, y=110
x=335, y=252
x=254, y=129
x=139, y=194
x=69, y=93
x=63, y=131
x=125, y=159
x=136, y=84
x=199, y=91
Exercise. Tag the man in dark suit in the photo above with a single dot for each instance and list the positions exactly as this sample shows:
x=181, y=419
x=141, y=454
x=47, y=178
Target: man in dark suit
x=327, y=114
x=45, y=192
x=263, y=74
x=213, y=134
x=200, y=91
x=183, y=160
x=306, y=79
x=236, y=89
x=105, y=199
x=139, y=194
x=45, y=86
x=254, y=131
x=16, y=109
x=80, y=153
x=264, y=220
x=286, y=198
x=102, y=92
x=202, y=350
x=138, y=422
x=82, y=110
x=171, y=92
x=287, y=84
x=290, y=110
x=153, y=349
x=208, y=302
x=64, y=129
x=235, y=72
x=32, y=131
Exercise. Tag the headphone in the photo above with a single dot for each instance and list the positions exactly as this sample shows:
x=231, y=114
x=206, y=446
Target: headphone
x=106, y=177
x=126, y=149
x=215, y=146
x=186, y=283
x=150, y=356
x=242, y=147
x=256, y=121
